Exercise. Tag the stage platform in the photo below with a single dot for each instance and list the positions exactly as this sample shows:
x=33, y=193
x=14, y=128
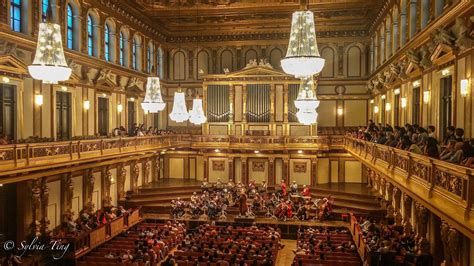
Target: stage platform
x=155, y=198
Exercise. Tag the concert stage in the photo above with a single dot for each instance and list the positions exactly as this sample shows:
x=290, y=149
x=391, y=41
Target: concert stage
x=155, y=198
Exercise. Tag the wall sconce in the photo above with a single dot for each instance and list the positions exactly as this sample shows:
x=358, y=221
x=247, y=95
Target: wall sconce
x=39, y=99
x=376, y=109
x=256, y=151
x=445, y=72
x=340, y=111
x=217, y=150
x=372, y=101
x=300, y=151
x=112, y=180
x=388, y=107
x=396, y=91
x=5, y=79
x=404, y=102
x=383, y=97
x=132, y=99
x=416, y=84
x=464, y=87
x=119, y=108
x=63, y=88
x=87, y=105
x=426, y=96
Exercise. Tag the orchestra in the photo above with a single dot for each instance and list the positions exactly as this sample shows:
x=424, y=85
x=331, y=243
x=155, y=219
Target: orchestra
x=251, y=200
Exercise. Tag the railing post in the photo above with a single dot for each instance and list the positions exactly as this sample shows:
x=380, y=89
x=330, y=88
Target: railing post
x=101, y=147
x=70, y=150
x=27, y=154
x=79, y=149
x=120, y=144
x=15, y=155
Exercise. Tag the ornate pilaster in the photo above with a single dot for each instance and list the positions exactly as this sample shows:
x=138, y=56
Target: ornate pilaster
x=271, y=172
x=90, y=180
x=245, y=178
x=451, y=240
x=397, y=194
x=44, y=207
x=231, y=168
x=285, y=170
x=68, y=194
x=134, y=174
x=389, y=191
x=121, y=179
x=146, y=171
x=107, y=178
x=206, y=168
x=156, y=168
x=244, y=103
x=407, y=206
x=422, y=215
x=35, y=207
x=272, y=107
x=314, y=172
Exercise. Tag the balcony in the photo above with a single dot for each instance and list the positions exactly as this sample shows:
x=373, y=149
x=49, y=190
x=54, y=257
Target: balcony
x=446, y=189
x=18, y=158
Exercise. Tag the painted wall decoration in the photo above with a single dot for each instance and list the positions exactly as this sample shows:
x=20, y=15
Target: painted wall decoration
x=299, y=167
x=258, y=166
x=218, y=165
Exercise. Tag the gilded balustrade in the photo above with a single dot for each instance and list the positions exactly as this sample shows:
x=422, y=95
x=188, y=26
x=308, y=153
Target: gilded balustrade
x=16, y=156
x=448, y=187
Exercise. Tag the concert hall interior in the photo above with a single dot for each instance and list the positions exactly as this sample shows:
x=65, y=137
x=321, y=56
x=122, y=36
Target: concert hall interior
x=237, y=132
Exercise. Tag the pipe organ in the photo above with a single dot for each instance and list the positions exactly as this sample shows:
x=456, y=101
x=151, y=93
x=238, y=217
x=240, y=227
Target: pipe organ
x=257, y=100
x=258, y=103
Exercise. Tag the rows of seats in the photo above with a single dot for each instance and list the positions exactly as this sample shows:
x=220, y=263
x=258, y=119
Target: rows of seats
x=146, y=242
x=326, y=246
x=216, y=245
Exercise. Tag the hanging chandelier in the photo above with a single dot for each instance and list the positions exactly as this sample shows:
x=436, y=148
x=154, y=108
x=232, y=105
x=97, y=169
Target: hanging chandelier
x=153, y=102
x=49, y=64
x=307, y=102
x=196, y=115
x=302, y=57
x=179, y=113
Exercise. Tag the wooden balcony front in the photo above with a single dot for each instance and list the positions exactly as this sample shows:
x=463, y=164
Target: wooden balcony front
x=447, y=189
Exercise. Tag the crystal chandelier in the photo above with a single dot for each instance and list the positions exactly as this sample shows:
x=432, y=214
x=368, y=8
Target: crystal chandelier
x=179, y=112
x=49, y=64
x=307, y=102
x=153, y=102
x=196, y=115
x=302, y=57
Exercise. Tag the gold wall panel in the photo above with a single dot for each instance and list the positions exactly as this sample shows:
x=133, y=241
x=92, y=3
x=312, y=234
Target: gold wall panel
x=54, y=204
x=300, y=171
x=334, y=171
x=176, y=168
x=300, y=130
x=221, y=172
x=323, y=171
x=327, y=114
x=355, y=113
x=259, y=175
x=238, y=103
x=352, y=172
x=217, y=129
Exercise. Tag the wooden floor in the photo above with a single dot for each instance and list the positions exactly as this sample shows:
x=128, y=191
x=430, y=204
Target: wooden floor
x=286, y=255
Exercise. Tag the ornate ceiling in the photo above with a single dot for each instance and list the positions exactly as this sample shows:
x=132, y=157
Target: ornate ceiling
x=187, y=19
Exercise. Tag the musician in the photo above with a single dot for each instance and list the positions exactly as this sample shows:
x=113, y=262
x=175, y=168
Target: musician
x=218, y=185
x=264, y=187
x=283, y=188
x=294, y=188
x=305, y=192
x=204, y=186
x=194, y=197
x=243, y=203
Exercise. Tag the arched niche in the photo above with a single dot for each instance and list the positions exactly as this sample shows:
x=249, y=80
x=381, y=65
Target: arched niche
x=202, y=63
x=227, y=60
x=354, y=61
x=275, y=58
x=250, y=54
x=179, y=65
x=329, y=66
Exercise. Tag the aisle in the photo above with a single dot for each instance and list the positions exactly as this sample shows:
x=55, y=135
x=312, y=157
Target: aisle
x=285, y=256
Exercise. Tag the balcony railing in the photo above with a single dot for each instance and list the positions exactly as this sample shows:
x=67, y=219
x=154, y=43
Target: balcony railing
x=47, y=153
x=447, y=187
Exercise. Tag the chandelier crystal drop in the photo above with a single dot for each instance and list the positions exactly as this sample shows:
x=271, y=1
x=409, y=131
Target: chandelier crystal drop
x=196, y=115
x=153, y=102
x=307, y=102
x=179, y=113
x=302, y=57
x=49, y=64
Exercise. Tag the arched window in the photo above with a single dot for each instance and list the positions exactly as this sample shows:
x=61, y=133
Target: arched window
x=90, y=36
x=134, y=54
x=149, y=58
x=122, y=52
x=16, y=15
x=107, y=42
x=44, y=9
x=70, y=27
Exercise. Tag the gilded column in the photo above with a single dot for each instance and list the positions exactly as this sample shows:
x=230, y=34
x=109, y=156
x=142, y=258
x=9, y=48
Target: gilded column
x=285, y=170
x=314, y=172
x=271, y=172
x=134, y=174
x=272, y=109
x=205, y=126
x=285, y=110
x=156, y=168
x=231, y=168
x=244, y=171
x=206, y=168
x=231, y=109
x=422, y=215
x=452, y=244
x=146, y=171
